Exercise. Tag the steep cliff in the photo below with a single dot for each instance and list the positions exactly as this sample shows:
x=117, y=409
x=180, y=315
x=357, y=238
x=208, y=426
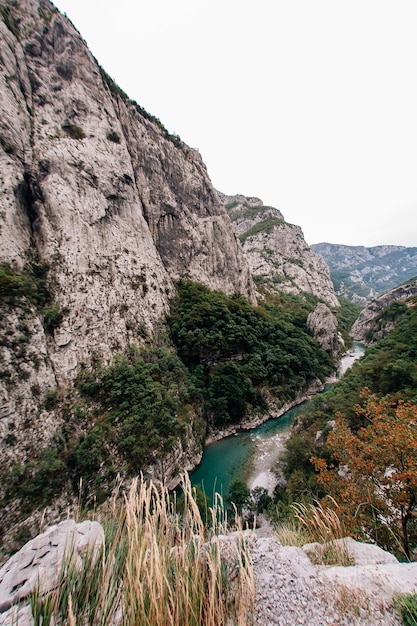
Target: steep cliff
x=102, y=205
x=102, y=211
x=370, y=325
x=277, y=252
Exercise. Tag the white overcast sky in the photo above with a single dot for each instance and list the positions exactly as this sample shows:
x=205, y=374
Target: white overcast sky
x=310, y=105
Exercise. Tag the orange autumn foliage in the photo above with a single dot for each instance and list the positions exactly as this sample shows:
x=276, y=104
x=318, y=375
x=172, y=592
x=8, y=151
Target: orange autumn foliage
x=374, y=478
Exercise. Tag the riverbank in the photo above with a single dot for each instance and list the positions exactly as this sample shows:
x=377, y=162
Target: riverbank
x=249, y=455
x=267, y=453
x=274, y=412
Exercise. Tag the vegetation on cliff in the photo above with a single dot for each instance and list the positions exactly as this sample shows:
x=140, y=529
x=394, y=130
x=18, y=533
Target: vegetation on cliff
x=218, y=361
x=156, y=567
x=360, y=436
x=236, y=353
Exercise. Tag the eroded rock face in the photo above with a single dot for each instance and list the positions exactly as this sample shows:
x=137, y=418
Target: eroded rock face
x=365, y=330
x=96, y=190
x=277, y=252
x=37, y=565
x=323, y=324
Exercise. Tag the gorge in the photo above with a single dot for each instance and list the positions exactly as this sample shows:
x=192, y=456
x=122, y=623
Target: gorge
x=253, y=455
x=104, y=213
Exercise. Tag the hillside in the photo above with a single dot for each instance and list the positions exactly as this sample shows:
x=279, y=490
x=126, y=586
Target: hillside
x=347, y=437
x=102, y=212
x=361, y=274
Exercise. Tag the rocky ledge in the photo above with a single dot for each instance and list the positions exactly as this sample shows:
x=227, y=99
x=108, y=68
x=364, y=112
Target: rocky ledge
x=290, y=589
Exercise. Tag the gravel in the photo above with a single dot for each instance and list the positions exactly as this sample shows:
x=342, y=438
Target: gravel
x=289, y=591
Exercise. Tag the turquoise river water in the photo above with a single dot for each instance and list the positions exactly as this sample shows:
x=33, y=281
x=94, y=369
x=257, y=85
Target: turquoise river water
x=252, y=454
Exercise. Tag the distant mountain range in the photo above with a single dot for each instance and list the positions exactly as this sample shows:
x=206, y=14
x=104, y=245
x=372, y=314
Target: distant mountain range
x=361, y=274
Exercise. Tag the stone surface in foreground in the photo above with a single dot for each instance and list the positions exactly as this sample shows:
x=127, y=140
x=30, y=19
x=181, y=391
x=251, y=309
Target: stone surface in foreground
x=38, y=563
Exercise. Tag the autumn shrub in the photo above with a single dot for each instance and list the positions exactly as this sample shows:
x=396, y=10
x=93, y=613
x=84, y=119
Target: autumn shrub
x=388, y=371
x=374, y=477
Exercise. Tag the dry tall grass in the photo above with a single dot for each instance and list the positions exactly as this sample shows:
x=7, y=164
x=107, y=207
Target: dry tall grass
x=314, y=523
x=158, y=568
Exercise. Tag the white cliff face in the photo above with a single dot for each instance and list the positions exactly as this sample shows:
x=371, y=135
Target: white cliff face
x=277, y=252
x=96, y=190
x=323, y=325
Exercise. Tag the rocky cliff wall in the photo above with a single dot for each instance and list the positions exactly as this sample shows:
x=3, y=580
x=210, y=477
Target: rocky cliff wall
x=277, y=253
x=99, y=190
x=365, y=329
x=95, y=191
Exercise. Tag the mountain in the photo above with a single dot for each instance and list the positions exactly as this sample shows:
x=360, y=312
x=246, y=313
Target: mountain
x=278, y=255
x=100, y=205
x=360, y=274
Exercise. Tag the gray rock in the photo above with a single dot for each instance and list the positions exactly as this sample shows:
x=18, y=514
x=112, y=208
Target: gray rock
x=277, y=251
x=365, y=328
x=323, y=324
x=97, y=189
x=38, y=563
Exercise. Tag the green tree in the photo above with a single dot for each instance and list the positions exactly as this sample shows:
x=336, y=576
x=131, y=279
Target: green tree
x=239, y=494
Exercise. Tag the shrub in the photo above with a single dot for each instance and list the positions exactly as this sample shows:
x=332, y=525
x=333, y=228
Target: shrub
x=265, y=226
x=74, y=131
x=52, y=318
x=113, y=136
x=28, y=282
x=51, y=399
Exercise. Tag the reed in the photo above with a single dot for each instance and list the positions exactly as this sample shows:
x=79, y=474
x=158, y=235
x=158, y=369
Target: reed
x=157, y=568
x=323, y=526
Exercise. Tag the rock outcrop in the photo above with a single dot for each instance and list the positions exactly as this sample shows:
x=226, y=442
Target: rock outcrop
x=94, y=186
x=290, y=588
x=277, y=252
x=37, y=566
x=365, y=330
x=323, y=324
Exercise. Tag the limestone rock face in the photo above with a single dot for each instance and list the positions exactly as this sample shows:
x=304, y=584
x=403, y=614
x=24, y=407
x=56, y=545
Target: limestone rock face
x=277, y=252
x=364, y=329
x=99, y=190
x=323, y=325
x=96, y=190
x=39, y=562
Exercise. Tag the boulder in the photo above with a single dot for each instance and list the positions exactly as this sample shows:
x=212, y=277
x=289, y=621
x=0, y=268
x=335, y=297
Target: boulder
x=37, y=565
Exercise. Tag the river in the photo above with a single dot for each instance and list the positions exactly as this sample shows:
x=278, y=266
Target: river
x=251, y=455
